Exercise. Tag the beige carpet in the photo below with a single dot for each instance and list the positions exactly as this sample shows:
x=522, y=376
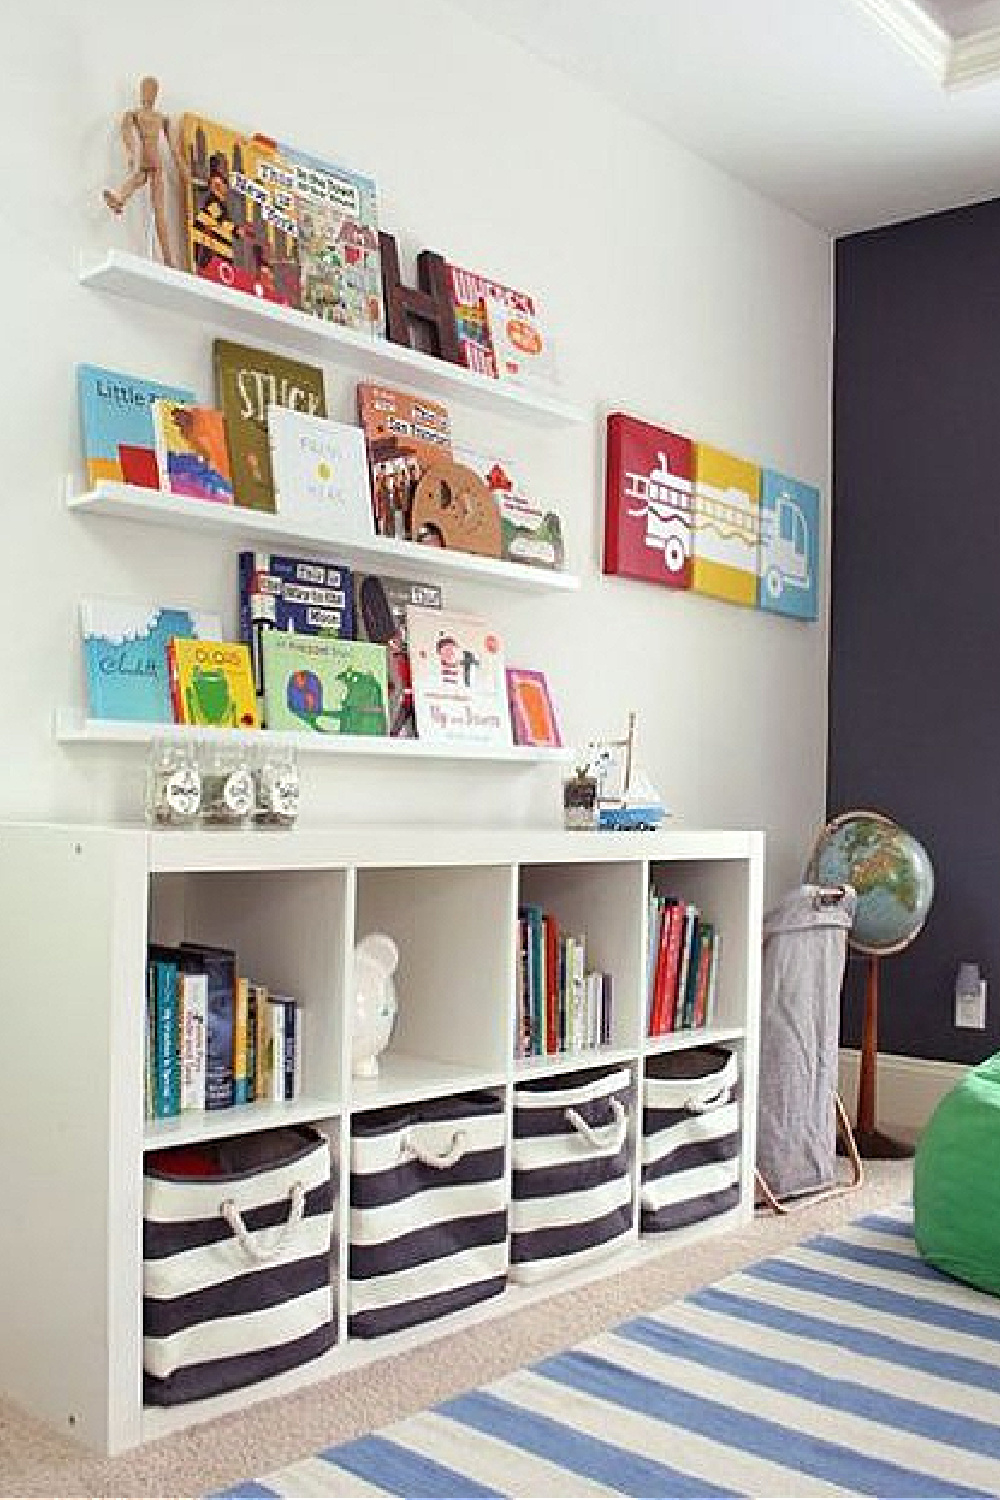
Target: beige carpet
x=36, y=1461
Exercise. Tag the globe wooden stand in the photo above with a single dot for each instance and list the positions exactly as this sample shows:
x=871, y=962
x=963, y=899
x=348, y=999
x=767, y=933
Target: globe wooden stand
x=872, y=1144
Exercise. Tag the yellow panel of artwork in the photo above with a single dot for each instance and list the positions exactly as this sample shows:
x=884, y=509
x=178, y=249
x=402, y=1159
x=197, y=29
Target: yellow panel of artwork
x=726, y=525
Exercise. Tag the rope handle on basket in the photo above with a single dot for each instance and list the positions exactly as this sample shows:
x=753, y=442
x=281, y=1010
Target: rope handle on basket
x=608, y=1139
x=451, y=1155
x=702, y=1106
x=256, y=1250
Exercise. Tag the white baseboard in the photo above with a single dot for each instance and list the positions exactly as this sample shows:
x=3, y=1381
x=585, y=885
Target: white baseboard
x=907, y=1088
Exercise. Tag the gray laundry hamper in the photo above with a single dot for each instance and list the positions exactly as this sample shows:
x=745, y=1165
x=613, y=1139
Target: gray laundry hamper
x=799, y=1108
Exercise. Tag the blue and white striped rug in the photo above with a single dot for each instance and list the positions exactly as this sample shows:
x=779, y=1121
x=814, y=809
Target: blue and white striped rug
x=845, y=1365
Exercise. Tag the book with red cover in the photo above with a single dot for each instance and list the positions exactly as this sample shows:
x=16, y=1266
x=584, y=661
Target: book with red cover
x=668, y=957
x=550, y=938
x=678, y=927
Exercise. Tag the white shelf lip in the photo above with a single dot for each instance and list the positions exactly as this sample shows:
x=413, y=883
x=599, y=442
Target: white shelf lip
x=129, y=275
x=134, y=502
x=570, y=1062
x=239, y=1119
x=404, y=1078
x=691, y=1036
x=74, y=728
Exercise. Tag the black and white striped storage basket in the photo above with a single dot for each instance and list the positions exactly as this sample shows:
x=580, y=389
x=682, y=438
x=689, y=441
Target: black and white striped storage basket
x=236, y=1262
x=428, y=1211
x=572, y=1178
x=690, y=1138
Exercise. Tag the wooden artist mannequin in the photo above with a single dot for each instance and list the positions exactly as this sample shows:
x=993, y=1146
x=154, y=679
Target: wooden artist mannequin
x=141, y=130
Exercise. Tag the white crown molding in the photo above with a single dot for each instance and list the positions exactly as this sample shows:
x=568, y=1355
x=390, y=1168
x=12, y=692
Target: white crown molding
x=954, y=64
x=914, y=30
x=974, y=59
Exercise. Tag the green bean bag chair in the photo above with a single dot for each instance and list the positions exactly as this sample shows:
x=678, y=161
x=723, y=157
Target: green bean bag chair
x=956, y=1181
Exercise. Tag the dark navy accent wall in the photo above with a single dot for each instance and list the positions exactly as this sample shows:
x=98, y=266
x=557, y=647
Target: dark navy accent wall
x=915, y=597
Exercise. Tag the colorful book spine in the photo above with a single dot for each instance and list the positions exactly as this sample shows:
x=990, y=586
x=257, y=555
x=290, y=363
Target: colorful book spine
x=691, y=916
x=276, y=1043
x=291, y=1052
x=219, y=966
x=241, y=1016
x=705, y=958
x=607, y=994
x=166, y=1032
x=262, y=1056
x=194, y=1006
x=577, y=995
x=251, y=1042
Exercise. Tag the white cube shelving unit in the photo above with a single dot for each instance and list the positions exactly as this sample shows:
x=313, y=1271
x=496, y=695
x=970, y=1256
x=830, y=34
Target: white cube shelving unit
x=293, y=904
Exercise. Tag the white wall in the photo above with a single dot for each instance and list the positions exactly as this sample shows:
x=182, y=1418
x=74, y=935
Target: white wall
x=673, y=292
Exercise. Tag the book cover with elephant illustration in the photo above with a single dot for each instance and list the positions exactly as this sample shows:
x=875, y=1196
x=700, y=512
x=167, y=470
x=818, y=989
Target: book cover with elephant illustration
x=323, y=683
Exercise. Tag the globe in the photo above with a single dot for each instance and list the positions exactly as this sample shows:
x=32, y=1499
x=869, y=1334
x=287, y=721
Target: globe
x=890, y=870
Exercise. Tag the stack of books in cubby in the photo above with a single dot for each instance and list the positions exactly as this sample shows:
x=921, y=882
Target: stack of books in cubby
x=213, y=1037
x=562, y=1005
x=681, y=966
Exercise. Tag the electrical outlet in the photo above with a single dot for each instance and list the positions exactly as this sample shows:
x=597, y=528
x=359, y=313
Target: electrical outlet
x=970, y=1008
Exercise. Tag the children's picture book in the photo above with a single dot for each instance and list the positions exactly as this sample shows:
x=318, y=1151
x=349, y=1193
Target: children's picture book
x=521, y=345
x=240, y=226
x=404, y=436
x=125, y=656
x=247, y=382
x=211, y=684
x=325, y=684
x=532, y=715
x=336, y=216
x=116, y=418
x=459, y=684
x=530, y=532
x=320, y=469
x=305, y=594
x=191, y=451
x=380, y=606
x=468, y=291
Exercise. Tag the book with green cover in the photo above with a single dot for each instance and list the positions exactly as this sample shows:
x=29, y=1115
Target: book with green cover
x=247, y=382
x=324, y=683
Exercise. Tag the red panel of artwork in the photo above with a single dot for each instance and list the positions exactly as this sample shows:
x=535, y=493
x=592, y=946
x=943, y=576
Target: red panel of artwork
x=649, y=505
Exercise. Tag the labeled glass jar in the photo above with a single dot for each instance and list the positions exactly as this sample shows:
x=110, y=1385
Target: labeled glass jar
x=173, y=784
x=276, y=786
x=226, y=785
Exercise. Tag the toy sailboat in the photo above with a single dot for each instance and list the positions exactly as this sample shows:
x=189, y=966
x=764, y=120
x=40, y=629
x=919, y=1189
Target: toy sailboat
x=626, y=797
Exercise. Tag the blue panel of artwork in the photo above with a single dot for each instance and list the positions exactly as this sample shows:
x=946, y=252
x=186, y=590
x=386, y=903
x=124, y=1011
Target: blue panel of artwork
x=789, y=546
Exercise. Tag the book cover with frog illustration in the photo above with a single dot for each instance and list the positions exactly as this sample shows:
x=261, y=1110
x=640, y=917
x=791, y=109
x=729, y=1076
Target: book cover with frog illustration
x=323, y=683
x=211, y=684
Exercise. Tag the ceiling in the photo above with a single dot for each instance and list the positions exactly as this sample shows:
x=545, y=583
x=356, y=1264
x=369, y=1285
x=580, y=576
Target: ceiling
x=851, y=113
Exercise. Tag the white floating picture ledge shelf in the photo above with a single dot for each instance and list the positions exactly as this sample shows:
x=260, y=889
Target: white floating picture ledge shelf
x=128, y=275
x=382, y=554
x=73, y=728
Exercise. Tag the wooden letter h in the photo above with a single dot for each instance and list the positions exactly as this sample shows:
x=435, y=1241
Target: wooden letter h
x=429, y=303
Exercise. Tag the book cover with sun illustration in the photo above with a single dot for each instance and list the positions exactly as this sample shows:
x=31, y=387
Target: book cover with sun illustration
x=211, y=684
x=324, y=683
x=321, y=467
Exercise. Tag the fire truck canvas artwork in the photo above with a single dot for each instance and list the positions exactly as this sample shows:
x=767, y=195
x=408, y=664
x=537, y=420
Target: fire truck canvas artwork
x=688, y=516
